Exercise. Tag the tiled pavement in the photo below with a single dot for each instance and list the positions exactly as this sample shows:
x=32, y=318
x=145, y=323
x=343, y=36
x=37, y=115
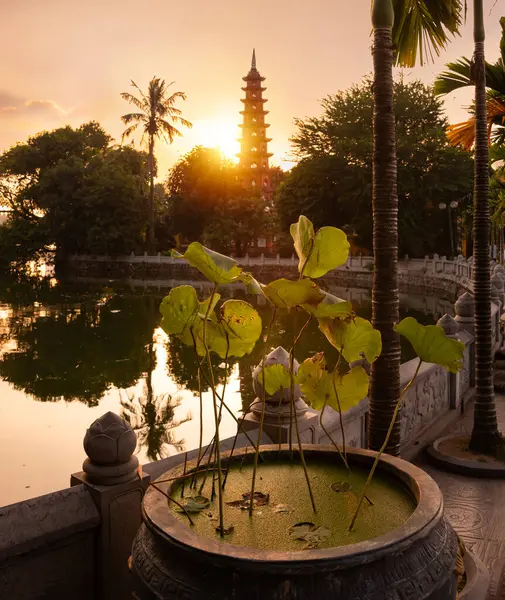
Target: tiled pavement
x=476, y=508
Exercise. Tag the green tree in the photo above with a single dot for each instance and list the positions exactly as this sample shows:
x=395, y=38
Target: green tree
x=207, y=202
x=157, y=116
x=72, y=190
x=332, y=184
x=406, y=27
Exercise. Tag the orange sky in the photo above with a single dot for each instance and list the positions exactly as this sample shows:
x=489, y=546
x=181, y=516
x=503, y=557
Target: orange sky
x=67, y=61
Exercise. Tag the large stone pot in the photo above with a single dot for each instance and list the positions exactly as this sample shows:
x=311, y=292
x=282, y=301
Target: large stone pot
x=415, y=561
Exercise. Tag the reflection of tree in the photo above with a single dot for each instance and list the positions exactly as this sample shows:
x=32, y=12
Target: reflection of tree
x=152, y=418
x=183, y=366
x=78, y=352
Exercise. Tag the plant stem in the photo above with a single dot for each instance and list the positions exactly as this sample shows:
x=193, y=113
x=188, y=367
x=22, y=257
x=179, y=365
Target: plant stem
x=174, y=501
x=216, y=415
x=331, y=439
x=335, y=370
x=293, y=410
x=304, y=465
x=384, y=445
x=262, y=418
x=260, y=431
x=184, y=473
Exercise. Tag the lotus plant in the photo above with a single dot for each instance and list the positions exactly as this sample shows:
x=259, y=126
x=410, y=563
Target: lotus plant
x=233, y=328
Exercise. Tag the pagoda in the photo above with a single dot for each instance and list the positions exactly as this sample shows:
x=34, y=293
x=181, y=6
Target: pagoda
x=254, y=171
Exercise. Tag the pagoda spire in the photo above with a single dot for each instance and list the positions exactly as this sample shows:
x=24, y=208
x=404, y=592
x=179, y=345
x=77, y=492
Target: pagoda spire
x=254, y=168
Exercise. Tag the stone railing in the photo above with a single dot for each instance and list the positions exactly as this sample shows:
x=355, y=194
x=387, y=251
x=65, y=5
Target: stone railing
x=75, y=543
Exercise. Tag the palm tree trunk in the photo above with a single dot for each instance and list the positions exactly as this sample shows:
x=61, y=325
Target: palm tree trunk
x=385, y=379
x=485, y=436
x=150, y=232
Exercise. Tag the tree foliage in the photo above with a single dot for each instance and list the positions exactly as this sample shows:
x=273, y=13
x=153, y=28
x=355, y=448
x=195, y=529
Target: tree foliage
x=332, y=184
x=72, y=189
x=207, y=202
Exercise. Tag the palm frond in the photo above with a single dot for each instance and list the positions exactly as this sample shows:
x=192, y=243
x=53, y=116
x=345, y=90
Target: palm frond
x=457, y=76
x=129, y=130
x=463, y=134
x=133, y=100
x=142, y=95
x=140, y=117
x=423, y=27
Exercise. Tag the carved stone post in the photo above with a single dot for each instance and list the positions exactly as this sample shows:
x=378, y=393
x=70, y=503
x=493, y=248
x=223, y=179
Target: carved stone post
x=111, y=476
x=465, y=309
x=277, y=423
x=451, y=328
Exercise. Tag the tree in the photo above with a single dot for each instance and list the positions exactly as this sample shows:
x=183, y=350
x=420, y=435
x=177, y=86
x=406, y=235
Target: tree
x=157, y=115
x=408, y=26
x=71, y=189
x=459, y=75
x=206, y=202
x=332, y=184
x=485, y=435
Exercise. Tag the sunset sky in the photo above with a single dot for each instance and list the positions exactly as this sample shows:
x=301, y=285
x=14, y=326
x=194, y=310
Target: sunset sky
x=66, y=62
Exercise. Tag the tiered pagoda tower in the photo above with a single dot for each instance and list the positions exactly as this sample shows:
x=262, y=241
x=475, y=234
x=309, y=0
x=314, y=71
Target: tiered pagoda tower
x=253, y=157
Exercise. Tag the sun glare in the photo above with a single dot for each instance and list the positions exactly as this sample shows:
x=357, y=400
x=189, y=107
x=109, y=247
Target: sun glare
x=218, y=133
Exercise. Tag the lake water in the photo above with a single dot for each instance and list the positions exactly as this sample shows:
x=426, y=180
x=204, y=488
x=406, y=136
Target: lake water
x=71, y=352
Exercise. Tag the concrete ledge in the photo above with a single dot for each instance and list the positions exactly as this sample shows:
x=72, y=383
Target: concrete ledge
x=477, y=578
x=462, y=466
x=36, y=523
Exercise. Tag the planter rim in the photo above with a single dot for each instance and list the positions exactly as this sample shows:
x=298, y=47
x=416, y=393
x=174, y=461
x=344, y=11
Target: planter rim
x=427, y=514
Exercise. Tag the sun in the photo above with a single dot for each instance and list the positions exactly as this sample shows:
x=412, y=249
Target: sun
x=218, y=133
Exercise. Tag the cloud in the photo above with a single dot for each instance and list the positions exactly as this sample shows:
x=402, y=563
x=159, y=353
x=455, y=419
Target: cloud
x=18, y=106
x=43, y=107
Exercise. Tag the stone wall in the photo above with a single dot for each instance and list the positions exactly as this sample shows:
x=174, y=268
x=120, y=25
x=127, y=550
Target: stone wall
x=47, y=547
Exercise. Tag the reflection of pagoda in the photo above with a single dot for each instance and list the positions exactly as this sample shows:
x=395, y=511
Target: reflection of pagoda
x=254, y=155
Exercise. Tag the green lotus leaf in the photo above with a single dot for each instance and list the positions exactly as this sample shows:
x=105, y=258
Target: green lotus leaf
x=330, y=307
x=321, y=252
x=351, y=388
x=253, y=285
x=195, y=504
x=432, y=345
x=284, y=293
x=355, y=338
x=319, y=388
x=215, y=267
x=315, y=381
x=274, y=378
x=179, y=309
x=236, y=332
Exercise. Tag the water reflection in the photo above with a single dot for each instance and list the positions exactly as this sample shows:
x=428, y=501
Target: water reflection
x=100, y=347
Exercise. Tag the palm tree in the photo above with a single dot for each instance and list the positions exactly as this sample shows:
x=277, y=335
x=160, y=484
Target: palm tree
x=485, y=435
x=485, y=438
x=458, y=75
x=413, y=28
x=157, y=115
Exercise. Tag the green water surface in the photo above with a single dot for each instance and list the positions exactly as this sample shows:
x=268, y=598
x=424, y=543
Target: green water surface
x=289, y=504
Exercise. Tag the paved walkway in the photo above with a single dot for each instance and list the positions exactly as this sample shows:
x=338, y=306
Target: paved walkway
x=476, y=508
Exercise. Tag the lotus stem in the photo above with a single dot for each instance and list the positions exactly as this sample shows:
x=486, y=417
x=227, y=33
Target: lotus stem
x=384, y=445
x=216, y=415
x=262, y=418
x=175, y=502
x=293, y=412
